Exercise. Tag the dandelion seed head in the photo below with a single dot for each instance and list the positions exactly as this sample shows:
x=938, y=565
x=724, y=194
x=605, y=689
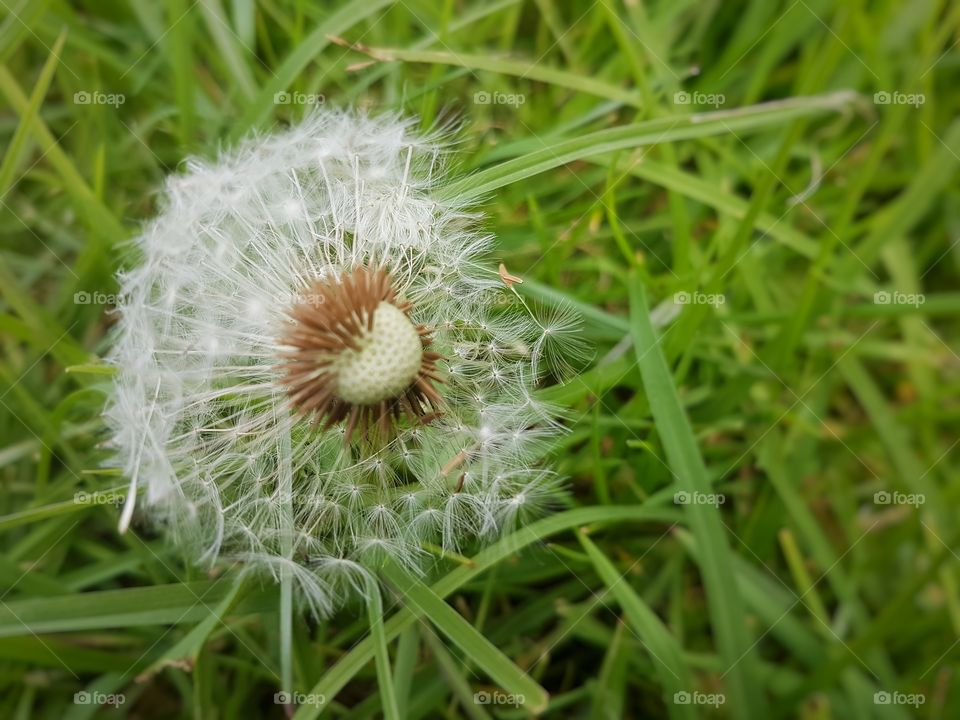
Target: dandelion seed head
x=316, y=371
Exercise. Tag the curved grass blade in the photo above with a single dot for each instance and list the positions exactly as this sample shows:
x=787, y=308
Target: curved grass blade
x=465, y=636
x=507, y=66
x=190, y=645
x=650, y=132
x=663, y=647
x=354, y=661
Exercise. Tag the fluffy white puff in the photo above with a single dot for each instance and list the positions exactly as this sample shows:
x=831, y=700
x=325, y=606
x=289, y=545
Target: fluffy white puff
x=200, y=423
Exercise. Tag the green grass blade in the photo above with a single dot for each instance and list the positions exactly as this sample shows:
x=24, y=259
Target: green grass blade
x=452, y=673
x=99, y=216
x=403, y=668
x=725, y=604
x=11, y=158
x=351, y=663
x=506, y=66
x=474, y=645
x=309, y=48
x=388, y=694
x=665, y=651
x=190, y=645
x=229, y=46
x=650, y=132
x=130, y=607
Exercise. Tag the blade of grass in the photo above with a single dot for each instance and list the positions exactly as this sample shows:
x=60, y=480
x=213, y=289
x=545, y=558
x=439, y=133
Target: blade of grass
x=771, y=458
x=229, y=46
x=304, y=52
x=351, y=663
x=913, y=475
x=99, y=217
x=774, y=605
x=723, y=597
x=190, y=645
x=709, y=194
x=506, y=66
x=11, y=158
x=474, y=645
x=48, y=335
x=179, y=51
x=286, y=548
x=19, y=24
x=610, y=687
x=451, y=673
x=388, y=695
x=680, y=127
x=672, y=671
x=898, y=217
x=801, y=578
x=31, y=515
x=156, y=605
x=405, y=665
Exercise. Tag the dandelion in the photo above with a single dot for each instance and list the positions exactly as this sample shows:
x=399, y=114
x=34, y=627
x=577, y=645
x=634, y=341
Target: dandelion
x=316, y=371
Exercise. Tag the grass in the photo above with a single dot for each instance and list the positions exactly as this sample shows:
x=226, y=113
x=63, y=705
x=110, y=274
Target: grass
x=753, y=206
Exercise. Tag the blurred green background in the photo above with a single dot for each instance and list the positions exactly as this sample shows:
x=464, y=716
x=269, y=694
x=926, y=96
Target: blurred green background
x=764, y=490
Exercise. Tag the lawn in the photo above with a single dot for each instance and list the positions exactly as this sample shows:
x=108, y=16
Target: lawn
x=751, y=210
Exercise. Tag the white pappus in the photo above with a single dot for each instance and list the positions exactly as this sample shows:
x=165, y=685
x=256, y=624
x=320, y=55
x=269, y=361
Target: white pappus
x=316, y=368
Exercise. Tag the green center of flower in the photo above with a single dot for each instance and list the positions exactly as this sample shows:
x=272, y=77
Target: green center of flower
x=388, y=361
x=351, y=353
